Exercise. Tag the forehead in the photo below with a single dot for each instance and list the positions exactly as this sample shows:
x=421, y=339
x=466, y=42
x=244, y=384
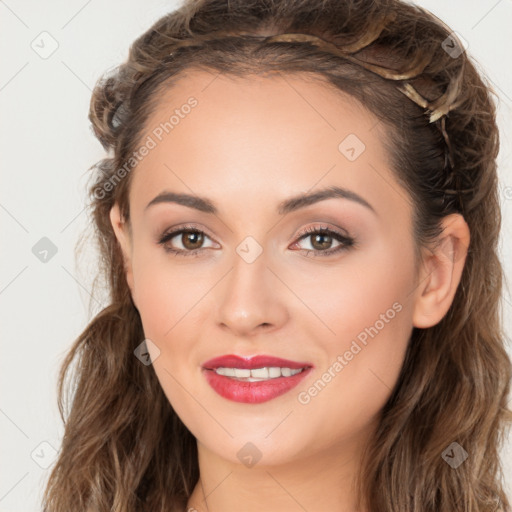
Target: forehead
x=229, y=137
x=261, y=99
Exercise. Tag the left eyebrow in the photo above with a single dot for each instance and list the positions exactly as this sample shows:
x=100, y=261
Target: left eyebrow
x=289, y=205
x=303, y=200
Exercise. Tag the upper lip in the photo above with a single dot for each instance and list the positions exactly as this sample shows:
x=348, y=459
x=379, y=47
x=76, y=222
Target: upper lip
x=259, y=361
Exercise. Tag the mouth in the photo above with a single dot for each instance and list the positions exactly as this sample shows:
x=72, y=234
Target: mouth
x=253, y=379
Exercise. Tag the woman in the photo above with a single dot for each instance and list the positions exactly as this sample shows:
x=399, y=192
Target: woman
x=298, y=222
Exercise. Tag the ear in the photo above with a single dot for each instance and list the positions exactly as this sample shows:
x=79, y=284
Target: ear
x=441, y=271
x=123, y=235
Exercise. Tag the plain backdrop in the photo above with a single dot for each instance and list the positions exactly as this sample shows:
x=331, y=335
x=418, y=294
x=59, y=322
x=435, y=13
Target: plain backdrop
x=52, y=53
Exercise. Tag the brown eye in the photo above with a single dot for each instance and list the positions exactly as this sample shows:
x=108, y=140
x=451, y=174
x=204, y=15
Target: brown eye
x=192, y=239
x=184, y=241
x=322, y=239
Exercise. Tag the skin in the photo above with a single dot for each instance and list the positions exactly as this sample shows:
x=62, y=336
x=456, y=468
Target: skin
x=249, y=144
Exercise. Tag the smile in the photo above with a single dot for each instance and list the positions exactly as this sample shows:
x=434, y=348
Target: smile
x=254, y=379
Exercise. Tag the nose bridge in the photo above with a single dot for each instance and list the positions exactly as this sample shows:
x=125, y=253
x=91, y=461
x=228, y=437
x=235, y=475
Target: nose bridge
x=248, y=297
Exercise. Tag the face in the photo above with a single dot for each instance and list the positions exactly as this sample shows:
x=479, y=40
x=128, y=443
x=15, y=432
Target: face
x=253, y=278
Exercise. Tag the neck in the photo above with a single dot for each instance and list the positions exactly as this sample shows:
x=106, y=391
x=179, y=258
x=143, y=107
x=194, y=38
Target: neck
x=321, y=482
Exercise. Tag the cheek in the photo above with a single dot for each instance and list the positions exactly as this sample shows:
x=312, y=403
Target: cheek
x=171, y=296
x=154, y=297
x=370, y=288
x=165, y=297
x=168, y=300
x=369, y=313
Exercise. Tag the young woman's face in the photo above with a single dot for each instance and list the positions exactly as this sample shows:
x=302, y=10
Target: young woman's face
x=250, y=279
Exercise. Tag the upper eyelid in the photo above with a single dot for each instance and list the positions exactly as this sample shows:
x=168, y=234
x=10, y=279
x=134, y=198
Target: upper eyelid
x=179, y=229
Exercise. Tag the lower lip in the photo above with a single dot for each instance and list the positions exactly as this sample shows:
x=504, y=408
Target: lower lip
x=252, y=392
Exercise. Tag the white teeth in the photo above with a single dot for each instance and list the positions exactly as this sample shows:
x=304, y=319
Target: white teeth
x=260, y=373
x=228, y=372
x=257, y=374
x=274, y=372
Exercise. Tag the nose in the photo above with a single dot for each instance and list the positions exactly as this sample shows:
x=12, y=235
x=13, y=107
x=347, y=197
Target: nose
x=251, y=299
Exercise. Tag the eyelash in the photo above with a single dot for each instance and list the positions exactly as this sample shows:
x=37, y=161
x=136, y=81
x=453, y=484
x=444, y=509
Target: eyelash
x=347, y=242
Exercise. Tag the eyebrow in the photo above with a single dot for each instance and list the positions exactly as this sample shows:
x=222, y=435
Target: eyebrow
x=289, y=205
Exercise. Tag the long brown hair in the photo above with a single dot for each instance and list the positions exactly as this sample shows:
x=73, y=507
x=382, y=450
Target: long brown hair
x=124, y=448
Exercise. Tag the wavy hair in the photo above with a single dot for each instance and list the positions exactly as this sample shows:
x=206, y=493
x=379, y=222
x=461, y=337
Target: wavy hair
x=124, y=448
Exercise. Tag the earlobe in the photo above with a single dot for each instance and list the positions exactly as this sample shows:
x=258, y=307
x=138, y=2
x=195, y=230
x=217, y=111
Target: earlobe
x=441, y=271
x=123, y=237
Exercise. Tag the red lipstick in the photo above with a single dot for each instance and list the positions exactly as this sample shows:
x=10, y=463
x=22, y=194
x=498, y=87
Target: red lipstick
x=233, y=361
x=238, y=389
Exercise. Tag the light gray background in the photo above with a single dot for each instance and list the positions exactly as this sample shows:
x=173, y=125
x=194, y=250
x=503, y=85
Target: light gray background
x=46, y=147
